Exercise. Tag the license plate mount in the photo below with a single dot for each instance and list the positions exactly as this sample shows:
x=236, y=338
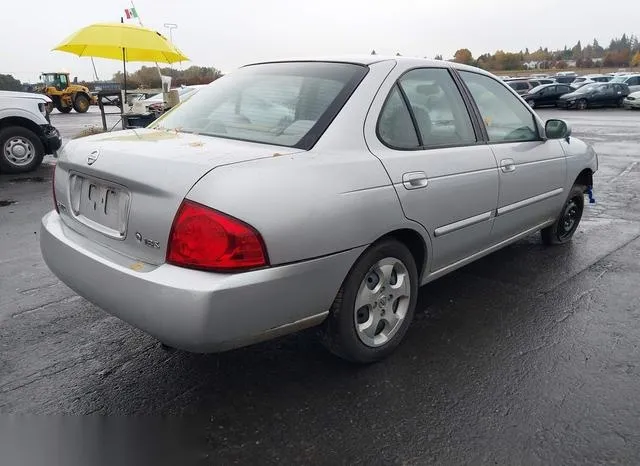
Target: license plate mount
x=100, y=205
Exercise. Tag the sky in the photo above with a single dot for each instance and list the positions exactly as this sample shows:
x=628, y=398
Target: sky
x=230, y=33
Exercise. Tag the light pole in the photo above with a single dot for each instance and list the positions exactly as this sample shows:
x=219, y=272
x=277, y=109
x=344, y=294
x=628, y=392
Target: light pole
x=171, y=27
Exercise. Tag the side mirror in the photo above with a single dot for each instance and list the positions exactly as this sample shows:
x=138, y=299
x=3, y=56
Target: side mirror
x=557, y=129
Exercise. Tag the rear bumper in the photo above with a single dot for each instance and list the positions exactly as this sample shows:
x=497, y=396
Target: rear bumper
x=194, y=310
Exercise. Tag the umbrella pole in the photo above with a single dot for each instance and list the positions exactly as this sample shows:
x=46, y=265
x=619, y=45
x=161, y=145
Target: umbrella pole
x=124, y=93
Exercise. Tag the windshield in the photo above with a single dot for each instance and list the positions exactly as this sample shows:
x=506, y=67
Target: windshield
x=537, y=88
x=619, y=79
x=286, y=104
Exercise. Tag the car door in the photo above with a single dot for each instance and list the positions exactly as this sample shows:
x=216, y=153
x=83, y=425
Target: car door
x=604, y=96
x=548, y=95
x=620, y=91
x=561, y=89
x=532, y=169
x=445, y=176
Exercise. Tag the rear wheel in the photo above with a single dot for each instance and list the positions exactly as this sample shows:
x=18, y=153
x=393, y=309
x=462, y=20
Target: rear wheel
x=532, y=103
x=81, y=103
x=567, y=223
x=373, y=309
x=22, y=150
x=62, y=109
x=582, y=104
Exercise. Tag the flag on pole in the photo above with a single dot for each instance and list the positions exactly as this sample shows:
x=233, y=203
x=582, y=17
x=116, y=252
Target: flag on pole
x=130, y=13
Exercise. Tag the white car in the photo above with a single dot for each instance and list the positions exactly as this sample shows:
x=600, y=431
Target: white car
x=632, y=101
x=26, y=134
x=155, y=103
x=631, y=80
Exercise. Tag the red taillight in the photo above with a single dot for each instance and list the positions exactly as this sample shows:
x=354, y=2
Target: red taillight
x=53, y=183
x=202, y=238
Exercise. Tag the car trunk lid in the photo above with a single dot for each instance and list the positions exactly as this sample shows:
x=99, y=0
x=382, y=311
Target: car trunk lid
x=123, y=189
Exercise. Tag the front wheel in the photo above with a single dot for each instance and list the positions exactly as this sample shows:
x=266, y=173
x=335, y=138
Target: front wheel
x=22, y=150
x=375, y=305
x=567, y=222
x=532, y=103
x=81, y=103
x=582, y=104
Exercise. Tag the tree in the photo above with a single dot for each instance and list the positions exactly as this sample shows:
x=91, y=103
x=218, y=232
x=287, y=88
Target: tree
x=398, y=54
x=9, y=83
x=438, y=57
x=635, y=61
x=147, y=76
x=576, y=51
x=373, y=52
x=463, y=56
x=561, y=65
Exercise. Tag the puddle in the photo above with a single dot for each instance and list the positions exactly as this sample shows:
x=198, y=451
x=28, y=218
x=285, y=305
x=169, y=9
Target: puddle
x=6, y=202
x=34, y=179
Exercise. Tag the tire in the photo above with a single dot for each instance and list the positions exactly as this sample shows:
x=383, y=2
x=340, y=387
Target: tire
x=582, y=104
x=568, y=220
x=345, y=332
x=62, y=109
x=532, y=103
x=81, y=103
x=21, y=150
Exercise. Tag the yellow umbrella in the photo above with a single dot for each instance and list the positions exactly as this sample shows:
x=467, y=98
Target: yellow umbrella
x=124, y=42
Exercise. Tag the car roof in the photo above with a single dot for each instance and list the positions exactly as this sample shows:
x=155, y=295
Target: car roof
x=371, y=59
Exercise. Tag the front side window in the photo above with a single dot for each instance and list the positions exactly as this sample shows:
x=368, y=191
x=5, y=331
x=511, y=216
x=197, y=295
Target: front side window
x=505, y=117
x=437, y=109
x=286, y=104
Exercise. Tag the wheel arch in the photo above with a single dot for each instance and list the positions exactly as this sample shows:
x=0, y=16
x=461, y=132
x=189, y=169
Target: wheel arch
x=584, y=178
x=23, y=122
x=416, y=244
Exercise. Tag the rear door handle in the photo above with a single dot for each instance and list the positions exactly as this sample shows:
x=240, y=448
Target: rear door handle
x=414, y=180
x=507, y=165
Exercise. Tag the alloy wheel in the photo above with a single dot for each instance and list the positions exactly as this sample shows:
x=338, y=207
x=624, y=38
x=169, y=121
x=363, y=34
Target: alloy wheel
x=382, y=302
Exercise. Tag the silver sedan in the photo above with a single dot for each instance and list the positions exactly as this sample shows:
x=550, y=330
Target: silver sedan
x=321, y=193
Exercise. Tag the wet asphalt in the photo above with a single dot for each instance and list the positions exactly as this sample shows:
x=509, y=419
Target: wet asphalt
x=528, y=356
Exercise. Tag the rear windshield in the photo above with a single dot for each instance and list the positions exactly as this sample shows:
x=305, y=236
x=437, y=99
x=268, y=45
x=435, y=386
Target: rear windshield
x=285, y=104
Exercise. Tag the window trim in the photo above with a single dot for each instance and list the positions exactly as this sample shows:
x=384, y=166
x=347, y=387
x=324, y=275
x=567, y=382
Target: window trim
x=477, y=129
x=540, y=137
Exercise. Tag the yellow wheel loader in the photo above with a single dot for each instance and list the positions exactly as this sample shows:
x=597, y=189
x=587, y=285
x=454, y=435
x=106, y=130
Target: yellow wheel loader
x=65, y=95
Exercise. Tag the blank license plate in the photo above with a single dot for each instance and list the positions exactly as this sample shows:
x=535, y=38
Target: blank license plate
x=101, y=206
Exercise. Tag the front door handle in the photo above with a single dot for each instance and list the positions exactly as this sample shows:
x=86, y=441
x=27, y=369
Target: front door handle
x=507, y=165
x=414, y=180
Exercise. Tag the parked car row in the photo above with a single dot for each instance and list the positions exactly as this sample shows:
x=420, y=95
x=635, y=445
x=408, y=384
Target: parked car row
x=524, y=84
x=589, y=95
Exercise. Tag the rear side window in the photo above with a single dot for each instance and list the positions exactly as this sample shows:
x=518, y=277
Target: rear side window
x=435, y=108
x=395, y=127
x=505, y=117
